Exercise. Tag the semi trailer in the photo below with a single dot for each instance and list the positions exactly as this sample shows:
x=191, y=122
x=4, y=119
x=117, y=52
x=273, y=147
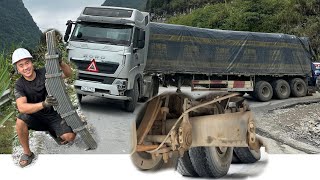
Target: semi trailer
x=264, y=65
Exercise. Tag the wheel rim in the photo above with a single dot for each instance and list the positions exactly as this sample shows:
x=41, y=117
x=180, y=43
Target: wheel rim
x=221, y=151
x=145, y=161
x=299, y=87
x=265, y=91
x=283, y=90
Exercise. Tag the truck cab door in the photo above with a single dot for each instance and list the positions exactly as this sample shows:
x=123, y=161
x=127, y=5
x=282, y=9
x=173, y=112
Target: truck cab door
x=138, y=46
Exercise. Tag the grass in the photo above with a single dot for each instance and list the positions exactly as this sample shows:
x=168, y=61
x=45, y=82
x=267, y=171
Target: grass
x=6, y=137
x=7, y=129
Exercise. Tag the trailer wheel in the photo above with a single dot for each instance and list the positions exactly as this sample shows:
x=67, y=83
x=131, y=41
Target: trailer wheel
x=281, y=89
x=263, y=91
x=145, y=161
x=185, y=167
x=298, y=87
x=211, y=161
x=134, y=94
x=246, y=155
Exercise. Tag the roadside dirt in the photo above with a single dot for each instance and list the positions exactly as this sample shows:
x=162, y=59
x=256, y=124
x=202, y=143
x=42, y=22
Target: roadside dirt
x=296, y=124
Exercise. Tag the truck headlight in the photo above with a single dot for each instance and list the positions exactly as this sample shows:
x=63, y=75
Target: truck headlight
x=121, y=84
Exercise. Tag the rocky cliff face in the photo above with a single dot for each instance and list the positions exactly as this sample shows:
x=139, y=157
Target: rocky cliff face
x=16, y=25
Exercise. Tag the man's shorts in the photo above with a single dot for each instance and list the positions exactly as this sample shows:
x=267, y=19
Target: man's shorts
x=49, y=122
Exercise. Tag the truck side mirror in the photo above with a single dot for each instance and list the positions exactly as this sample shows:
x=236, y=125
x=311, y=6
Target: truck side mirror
x=141, y=40
x=68, y=30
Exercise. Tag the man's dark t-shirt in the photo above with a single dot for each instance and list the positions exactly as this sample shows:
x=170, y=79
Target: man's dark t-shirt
x=46, y=119
x=35, y=91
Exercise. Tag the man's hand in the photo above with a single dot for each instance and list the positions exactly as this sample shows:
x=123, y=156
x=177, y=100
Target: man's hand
x=50, y=101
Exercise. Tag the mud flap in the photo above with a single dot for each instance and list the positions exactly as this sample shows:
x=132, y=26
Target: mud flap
x=55, y=86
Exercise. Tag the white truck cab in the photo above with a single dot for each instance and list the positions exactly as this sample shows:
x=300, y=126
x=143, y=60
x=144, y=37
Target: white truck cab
x=109, y=47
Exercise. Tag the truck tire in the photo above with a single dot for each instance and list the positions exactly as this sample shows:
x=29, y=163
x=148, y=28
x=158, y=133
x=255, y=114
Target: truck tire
x=185, y=167
x=281, y=89
x=211, y=161
x=246, y=155
x=156, y=84
x=145, y=161
x=235, y=159
x=298, y=87
x=154, y=90
x=134, y=94
x=79, y=96
x=263, y=91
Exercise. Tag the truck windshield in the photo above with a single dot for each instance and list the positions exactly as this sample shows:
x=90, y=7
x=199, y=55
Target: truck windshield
x=102, y=33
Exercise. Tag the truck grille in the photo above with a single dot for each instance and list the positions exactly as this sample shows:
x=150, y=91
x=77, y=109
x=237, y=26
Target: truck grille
x=106, y=68
x=102, y=79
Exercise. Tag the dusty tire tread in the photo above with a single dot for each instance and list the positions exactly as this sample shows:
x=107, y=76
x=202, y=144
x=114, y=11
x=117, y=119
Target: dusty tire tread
x=200, y=162
x=294, y=92
x=235, y=159
x=134, y=93
x=259, y=85
x=185, y=167
x=275, y=86
x=245, y=156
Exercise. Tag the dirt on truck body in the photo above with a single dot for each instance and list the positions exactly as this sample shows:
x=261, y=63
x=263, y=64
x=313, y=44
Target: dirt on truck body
x=207, y=133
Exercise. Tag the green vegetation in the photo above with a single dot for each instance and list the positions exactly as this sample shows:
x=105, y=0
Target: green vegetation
x=6, y=137
x=6, y=110
x=171, y=7
x=136, y=4
x=17, y=25
x=297, y=17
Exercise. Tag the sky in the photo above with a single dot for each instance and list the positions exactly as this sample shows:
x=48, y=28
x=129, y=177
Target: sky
x=55, y=13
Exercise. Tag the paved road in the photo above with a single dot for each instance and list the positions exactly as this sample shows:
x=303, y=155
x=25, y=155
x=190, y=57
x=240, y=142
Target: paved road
x=113, y=126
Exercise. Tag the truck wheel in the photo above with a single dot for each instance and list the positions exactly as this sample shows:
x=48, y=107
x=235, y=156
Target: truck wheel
x=79, y=97
x=154, y=90
x=246, y=155
x=298, y=87
x=263, y=91
x=156, y=83
x=235, y=159
x=211, y=161
x=145, y=161
x=281, y=89
x=185, y=167
x=134, y=94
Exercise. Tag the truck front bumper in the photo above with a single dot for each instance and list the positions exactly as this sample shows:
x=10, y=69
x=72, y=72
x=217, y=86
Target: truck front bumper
x=109, y=91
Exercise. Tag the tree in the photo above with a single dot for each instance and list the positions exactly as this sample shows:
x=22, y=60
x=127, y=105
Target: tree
x=297, y=17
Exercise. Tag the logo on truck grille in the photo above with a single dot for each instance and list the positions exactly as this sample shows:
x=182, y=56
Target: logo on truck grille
x=93, y=66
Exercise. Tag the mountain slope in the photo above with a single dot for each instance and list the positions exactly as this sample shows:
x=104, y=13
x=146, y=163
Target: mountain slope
x=17, y=25
x=136, y=4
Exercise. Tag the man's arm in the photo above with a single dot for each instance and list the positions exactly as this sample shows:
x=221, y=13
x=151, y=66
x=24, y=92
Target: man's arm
x=28, y=108
x=66, y=70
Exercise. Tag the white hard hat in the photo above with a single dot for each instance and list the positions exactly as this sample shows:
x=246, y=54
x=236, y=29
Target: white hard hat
x=19, y=54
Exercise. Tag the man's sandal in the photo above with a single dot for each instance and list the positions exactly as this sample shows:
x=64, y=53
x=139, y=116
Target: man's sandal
x=27, y=158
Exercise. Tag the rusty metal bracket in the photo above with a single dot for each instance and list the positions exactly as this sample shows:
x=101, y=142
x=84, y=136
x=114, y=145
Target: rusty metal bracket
x=185, y=113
